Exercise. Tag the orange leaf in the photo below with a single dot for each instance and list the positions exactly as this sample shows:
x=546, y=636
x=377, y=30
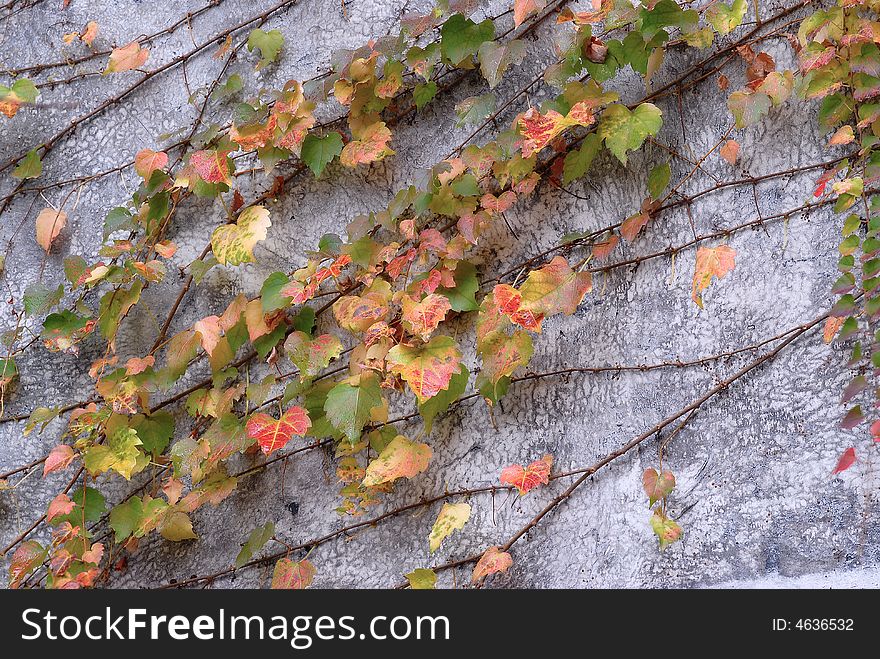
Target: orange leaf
x=492, y=561
x=290, y=575
x=60, y=505
x=402, y=458
x=730, y=151
x=539, y=130
x=273, y=435
x=147, y=161
x=129, y=57
x=89, y=34
x=372, y=146
x=711, y=262
x=422, y=318
x=832, y=327
x=657, y=485
x=49, y=224
x=844, y=135
x=428, y=368
x=522, y=9
x=528, y=478
x=555, y=288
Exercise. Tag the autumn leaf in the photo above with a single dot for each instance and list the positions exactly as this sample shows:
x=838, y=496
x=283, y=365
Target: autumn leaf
x=49, y=224
x=422, y=318
x=427, y=368
x=126, y=58
x=539, y=130
x=452, y=517
x=311, y=355
x=233, y=244
x=293, y=575
x=371, y=146
x=748, y=107
x=402, y=458
x=88, y=35
x=29, y=555
x=492, y=561
x=555, y=288
x=528, y=478
x=59, y=458
x=847, y=460
x=11, y=98
x=633, y=225
x=711, y=262
x=522, y=9
x=148, y=161
x=729, y=151
x=357, y=313
x=666, y=530
x=832, y=326
x=60, y=505
x=212, y=166
x=843, y=135
x=272, y=434
x=657, y=485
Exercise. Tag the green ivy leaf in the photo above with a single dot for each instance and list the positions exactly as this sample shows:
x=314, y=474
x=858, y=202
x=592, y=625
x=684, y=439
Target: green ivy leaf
x=461, y=38
x=624, y=131
x=38, y=298
x=422, y=579
x=423, y=93
x=318, y=152
x=255, y=542
x=268, y=43
x=578, y=161
x=658, y=179
x=475, y=109
x=348, y=405
x=30, y=167
x=726, y=18
x=496, y=58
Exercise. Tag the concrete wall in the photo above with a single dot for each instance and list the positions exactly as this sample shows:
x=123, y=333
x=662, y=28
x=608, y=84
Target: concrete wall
x=755, y=496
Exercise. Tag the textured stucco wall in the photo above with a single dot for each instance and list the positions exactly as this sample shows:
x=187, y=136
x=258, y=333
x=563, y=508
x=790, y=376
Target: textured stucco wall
x=753, y=465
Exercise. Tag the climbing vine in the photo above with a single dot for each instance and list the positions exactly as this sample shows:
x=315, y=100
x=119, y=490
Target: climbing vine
x=360, y=330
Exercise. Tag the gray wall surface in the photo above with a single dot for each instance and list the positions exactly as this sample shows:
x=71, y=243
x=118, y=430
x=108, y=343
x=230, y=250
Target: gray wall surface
x=755, y=493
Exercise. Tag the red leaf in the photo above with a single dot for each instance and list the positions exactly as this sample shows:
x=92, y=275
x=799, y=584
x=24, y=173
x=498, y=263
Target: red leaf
x=528, y=478
x=59, y=458
x=289, y=575
x=846, y=461
x=273, y=435
x=494, y=560
x=60, y=505
x=211, y=166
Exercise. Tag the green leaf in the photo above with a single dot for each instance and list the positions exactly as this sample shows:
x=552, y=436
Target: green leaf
x=233, y=85
x=658, y=179
x=90, y=505
x=348, y=406
x=155, y=431
x=126, y=518
x=726, y=18
x=496, y=58
x=30, y=167
x=461, y=38
x=118, y=219
x=423, y=93
x=422, y=579
x=624, y=131
x=438, y=404
x=119, y=454
x=270, y=293
x=177, y=526
x=255, y=542
x=748, y=107
x=268, y=43
x=578, y=162
x=318, y=152
x=38, y=299
x=667, y=13
x=463, y=296
x=114, y=306
x=475, y=109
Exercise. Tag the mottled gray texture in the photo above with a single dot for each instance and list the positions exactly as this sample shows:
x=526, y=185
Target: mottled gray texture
x=755, y=495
